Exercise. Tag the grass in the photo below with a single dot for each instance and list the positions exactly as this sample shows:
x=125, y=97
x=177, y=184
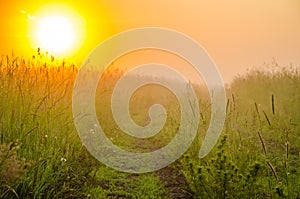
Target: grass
x=113, y=184
x=41, y=155
x=258, y=156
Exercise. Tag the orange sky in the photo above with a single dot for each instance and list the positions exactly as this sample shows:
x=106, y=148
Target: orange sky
x=237, y=34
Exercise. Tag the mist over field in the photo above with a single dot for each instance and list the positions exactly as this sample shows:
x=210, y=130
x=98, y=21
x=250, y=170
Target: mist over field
x=42, y=156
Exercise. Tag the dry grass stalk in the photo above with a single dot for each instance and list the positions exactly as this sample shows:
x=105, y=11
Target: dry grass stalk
x=273, y=105
x=262, y=143
x=272, y=169
x=266, y=116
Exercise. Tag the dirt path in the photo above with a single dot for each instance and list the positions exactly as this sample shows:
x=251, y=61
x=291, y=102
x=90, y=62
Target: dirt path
x=175, y=183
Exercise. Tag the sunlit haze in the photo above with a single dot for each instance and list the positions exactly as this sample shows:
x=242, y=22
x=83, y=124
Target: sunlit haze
x=237, y=34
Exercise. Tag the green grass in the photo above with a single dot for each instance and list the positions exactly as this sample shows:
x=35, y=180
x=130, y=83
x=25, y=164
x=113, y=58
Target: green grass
x=258, y=156
x=41, y=155
x=113, y=184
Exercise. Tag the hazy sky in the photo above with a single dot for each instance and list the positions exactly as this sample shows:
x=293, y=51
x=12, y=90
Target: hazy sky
x=237, y=34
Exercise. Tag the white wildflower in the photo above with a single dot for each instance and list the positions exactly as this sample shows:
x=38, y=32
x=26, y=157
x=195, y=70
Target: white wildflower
x=92, y=131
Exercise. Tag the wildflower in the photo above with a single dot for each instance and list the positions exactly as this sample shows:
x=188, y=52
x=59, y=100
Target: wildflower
x=92, y=131
x=63, y=159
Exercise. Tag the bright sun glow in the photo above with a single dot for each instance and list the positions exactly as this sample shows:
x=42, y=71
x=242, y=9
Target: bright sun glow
x=56, y=34
x=57, y=29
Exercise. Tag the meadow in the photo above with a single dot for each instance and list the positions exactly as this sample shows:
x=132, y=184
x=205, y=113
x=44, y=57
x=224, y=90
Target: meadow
x=41, y=155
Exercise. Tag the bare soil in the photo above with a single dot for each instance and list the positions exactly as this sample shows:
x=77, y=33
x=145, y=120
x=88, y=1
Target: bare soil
x=175, y=183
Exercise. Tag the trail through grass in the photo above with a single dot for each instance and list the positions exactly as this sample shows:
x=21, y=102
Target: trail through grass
x=41, y=155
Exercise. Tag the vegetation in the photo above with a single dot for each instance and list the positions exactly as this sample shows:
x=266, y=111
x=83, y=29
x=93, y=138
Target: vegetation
x=258, y=156
x=41, y=155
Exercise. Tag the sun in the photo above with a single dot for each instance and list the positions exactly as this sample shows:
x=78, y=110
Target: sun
x=57, y=29
x=56, y=34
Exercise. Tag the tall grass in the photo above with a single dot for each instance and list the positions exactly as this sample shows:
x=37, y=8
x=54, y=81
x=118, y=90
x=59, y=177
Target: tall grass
x=36, y=127
x=41, y=155
x=260, y=157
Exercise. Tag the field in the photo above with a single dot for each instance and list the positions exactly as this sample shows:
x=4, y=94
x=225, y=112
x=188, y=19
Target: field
x=41, y=155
